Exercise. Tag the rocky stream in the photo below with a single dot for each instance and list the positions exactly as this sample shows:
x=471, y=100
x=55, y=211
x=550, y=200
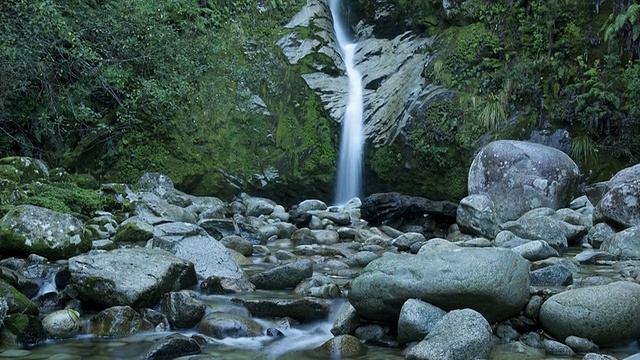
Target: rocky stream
x=528, y=266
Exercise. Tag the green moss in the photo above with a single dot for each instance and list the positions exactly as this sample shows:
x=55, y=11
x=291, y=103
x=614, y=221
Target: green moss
x=28, y=329
x=130, y=232
x=95, y=287
x=9, y=173
x=12, y=240
x=85, y=181
x=62, y=197
x=16, y=301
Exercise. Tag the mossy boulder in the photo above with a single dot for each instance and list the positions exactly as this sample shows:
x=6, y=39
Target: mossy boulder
x=16, y=301
x=23, y=330
x=118, y=321
x=28, y=229
x=29, y=169
x=9, y=173
x=133, y=229
x=64, y=197
x=86, y=181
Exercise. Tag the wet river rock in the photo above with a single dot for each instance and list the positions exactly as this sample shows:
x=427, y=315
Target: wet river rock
x=605, y=314
x=494, y=282
x=137, y=277
x=304, y=310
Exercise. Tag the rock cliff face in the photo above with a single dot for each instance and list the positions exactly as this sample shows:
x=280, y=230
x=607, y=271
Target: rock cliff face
x=391, y=70
x=400, y=104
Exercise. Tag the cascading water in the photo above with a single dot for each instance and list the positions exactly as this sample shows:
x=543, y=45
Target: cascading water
x=348, y=183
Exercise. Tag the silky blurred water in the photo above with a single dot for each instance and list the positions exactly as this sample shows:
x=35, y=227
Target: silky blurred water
x=349, y=176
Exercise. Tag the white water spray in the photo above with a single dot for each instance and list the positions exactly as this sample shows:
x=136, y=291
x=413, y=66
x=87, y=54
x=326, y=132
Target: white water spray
x=349, y=183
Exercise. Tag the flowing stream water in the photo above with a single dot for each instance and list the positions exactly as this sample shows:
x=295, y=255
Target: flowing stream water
x=349, y=176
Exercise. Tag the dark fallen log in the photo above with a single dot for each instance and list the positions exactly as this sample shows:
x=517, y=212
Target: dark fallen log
x=380, y=207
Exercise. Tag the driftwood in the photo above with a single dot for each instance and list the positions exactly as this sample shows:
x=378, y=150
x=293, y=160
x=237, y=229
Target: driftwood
x=380, y=207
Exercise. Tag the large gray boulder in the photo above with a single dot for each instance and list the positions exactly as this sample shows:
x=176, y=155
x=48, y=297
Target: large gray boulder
x=459, y=335
x=624, y=244
x=29, y=229
x=493, y=281
x=520, y=176
x=137, y=277
x=620, y=205
x=605, y=314
x=190, y=242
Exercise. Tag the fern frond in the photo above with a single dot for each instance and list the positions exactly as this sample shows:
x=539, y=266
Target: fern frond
x=632, y=13
x=618, y=24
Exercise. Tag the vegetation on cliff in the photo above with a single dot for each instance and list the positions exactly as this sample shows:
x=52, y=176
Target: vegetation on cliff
x=197, y=89
x=515, y=67
x=117, y=88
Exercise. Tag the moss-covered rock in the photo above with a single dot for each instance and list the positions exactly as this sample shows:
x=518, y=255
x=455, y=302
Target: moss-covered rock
x=62, y=324
x=16, y=301
x=9, y=173
x=28, y=229
x=133, y=231
x=23, y=329
x=29, y=169
x=62, y=197
x=86, y=181
x=118, y=321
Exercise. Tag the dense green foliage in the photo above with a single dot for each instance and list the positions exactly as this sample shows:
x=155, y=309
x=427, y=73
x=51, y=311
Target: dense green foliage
x=122, y=87
x=116, y=88
x=519, y=66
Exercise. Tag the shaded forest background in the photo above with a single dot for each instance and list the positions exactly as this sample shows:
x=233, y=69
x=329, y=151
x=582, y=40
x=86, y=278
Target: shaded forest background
x=116, y=88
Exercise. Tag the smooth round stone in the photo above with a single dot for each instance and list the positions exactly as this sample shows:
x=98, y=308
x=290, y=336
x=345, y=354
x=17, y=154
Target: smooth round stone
x=62, y=324
x=605, y=314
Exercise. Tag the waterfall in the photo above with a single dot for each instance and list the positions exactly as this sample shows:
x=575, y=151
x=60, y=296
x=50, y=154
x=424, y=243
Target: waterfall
x=349, y=176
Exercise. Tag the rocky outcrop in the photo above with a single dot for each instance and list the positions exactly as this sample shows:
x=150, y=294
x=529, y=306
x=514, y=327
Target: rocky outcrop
x=520, y=176
x=391, y=70
x=494, y=282
x=624, y=245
